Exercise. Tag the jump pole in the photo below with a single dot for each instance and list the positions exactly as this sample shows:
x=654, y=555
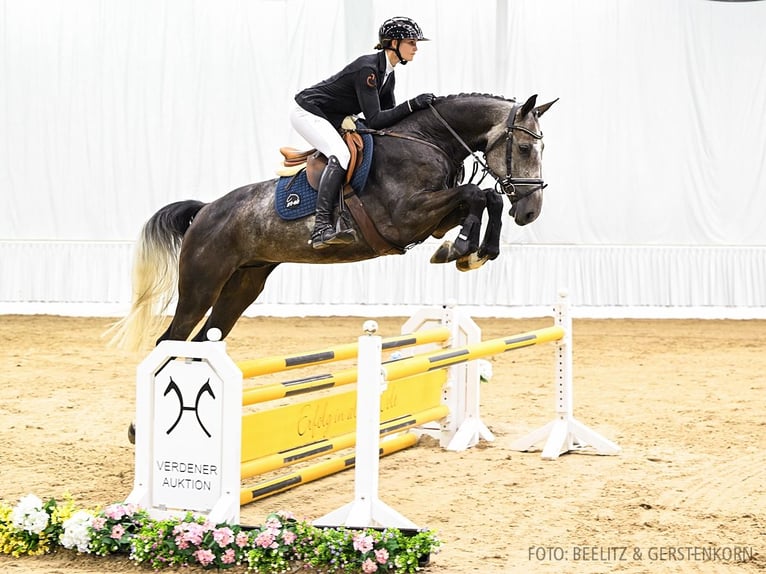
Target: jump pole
x=564, y=433
x=267, y=365
x=322, y=469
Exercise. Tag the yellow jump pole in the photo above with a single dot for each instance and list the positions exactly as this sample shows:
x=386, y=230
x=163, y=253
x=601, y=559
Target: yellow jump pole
x=439, y=359
x=320, y=470
x=274, y=391
x=323, y=447
x=276, y=364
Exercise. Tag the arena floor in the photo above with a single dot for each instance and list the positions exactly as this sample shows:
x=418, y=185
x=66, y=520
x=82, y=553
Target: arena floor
x=683, y=399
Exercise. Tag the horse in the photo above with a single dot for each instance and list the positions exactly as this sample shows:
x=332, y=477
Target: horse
x=217, y=256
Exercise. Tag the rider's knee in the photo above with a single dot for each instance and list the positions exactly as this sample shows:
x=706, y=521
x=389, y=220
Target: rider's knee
x=343, y=156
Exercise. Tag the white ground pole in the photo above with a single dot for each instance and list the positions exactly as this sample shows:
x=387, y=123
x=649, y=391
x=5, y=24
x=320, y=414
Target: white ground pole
x=367, y=510
x=462, y=428
x=565, y=433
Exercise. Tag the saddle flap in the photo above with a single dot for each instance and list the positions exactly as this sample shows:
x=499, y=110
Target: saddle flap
x=355, y=145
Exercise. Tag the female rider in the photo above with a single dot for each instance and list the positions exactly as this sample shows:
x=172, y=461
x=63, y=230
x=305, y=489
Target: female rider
x=365, y=86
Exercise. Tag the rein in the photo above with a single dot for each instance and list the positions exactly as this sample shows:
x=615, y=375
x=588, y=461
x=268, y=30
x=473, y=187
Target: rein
x=508, y=185
x=405, y=137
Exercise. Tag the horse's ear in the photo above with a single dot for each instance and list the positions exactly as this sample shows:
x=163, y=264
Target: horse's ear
x=540, y=110
x=528, y=105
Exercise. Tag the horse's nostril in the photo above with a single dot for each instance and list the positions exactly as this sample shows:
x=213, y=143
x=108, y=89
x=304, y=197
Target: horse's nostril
x=530, y=216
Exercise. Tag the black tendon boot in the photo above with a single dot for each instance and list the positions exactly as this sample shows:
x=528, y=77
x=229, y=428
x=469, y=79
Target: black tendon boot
x=324, y=233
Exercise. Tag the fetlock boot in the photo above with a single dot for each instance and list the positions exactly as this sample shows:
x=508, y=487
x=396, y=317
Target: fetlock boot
x=324, y=233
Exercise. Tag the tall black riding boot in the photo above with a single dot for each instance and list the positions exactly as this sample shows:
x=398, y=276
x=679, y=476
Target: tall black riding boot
x=324, y=233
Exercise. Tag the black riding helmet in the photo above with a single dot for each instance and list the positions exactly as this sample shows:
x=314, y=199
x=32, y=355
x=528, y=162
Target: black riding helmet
x=398, y=28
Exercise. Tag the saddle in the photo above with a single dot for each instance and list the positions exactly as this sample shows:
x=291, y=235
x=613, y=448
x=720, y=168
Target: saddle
x=314, y=162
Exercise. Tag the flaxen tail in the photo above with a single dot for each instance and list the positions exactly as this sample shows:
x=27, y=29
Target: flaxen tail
x=155, y=274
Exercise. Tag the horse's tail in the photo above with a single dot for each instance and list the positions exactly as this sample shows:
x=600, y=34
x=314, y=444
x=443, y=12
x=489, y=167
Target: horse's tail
x=155, y=274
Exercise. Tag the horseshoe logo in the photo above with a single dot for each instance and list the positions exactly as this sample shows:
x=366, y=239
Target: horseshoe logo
x=372, y=81
x=206, y=388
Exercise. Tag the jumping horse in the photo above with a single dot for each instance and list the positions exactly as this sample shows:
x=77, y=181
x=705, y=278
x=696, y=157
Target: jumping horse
x=219, y=255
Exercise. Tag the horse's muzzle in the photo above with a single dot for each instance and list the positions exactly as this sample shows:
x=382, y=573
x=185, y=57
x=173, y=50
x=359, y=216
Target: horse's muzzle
x=518, y=189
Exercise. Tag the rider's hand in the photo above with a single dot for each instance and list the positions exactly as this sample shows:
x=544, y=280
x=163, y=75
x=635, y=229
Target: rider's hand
x=420, y=102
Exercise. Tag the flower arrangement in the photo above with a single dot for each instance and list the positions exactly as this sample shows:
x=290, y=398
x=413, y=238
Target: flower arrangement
x=283, y=543
x=32, y=527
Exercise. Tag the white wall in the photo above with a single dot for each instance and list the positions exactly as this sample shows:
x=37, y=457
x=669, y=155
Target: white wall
x=654, y=155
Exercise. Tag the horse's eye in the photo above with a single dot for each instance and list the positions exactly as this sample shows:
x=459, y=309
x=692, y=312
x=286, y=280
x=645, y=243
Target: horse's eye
x=525, y=148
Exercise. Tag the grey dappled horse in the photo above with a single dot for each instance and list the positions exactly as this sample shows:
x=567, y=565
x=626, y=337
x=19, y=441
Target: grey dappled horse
x=220, y=254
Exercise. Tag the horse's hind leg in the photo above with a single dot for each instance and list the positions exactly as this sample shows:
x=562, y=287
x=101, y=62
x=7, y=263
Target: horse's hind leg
x=199, y=286
x=242, y=288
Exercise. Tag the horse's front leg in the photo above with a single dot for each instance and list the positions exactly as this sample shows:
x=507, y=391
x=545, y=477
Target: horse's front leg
x=473, y=200
x=490, y=246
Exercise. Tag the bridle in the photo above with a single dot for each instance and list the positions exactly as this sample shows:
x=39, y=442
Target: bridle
x=514, y=188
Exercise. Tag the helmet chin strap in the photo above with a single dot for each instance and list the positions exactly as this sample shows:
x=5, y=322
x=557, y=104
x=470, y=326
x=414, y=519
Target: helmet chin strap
x=396, y=51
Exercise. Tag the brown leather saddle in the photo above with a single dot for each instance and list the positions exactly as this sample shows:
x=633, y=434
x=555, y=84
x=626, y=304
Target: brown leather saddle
x=314, y=162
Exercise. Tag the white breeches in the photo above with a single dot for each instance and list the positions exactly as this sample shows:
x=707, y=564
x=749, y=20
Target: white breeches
x=320, y=134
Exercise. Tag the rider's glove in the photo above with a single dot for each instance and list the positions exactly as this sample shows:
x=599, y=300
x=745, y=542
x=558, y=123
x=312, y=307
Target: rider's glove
x=420, y=102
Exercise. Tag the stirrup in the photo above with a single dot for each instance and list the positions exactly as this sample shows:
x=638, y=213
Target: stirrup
x=328, y=236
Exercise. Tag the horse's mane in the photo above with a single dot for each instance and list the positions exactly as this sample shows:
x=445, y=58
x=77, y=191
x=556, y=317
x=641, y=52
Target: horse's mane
x=476, y=95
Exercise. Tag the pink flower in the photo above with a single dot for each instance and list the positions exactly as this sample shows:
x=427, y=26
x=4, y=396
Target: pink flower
x=265, y=539
x=223, y=536
x=285, y=514
x=273, y=524
x=117, y=531
x=289, y=537
x=98, y=523
x=194, y=532
x=115, y=511
x=368, y=566
x=241, y=540
x=181, y=543
x=228, y=557
x=363, y=543
x=204, y=557
x=381, y=556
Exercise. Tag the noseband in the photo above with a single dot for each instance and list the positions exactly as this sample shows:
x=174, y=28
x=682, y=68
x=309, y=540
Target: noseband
x=514, y=188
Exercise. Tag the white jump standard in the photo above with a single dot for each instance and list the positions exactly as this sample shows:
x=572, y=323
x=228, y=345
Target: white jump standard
x=564, y=433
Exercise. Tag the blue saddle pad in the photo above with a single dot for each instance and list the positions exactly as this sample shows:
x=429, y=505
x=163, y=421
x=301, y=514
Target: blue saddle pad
x=296, y=198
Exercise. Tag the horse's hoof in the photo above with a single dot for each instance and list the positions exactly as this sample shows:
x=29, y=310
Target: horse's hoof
x=132, y=433
x=442, y=254
x=470, y=262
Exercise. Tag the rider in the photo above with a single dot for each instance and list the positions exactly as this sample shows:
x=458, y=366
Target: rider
x=365, y=85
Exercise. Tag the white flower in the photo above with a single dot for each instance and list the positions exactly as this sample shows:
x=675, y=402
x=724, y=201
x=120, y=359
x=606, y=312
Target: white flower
x=485, y=370
x=29, y=515
x=76, y=533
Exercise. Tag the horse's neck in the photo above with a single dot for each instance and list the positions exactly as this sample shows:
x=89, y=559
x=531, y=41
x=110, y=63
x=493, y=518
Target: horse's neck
x=476, y=122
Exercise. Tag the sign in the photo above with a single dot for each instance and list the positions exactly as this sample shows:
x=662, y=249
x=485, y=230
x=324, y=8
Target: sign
x=188, y=432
